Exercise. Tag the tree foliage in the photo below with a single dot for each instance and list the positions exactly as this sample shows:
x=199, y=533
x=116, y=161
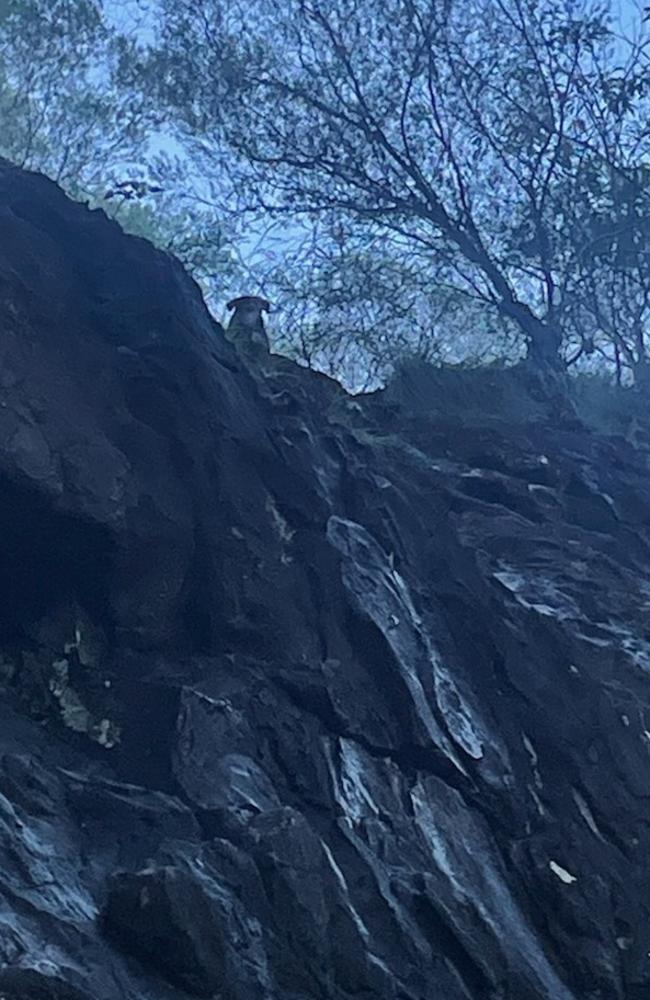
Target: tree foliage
x=59, y=110
x=453, y=179
x=67, y=110
x=486, y=146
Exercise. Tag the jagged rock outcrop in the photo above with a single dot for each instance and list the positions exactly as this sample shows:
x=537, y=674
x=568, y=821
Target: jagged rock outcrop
x=302, y=697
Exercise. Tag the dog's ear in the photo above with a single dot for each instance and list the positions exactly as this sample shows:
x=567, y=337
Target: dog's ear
x=231, y=305
x=266, y=306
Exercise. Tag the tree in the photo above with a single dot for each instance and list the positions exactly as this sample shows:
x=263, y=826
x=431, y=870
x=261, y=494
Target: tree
x=60, y=112
x=609, y=307
x=451, y=180
x=66, y=110
x=473, y=137
x=354, y=307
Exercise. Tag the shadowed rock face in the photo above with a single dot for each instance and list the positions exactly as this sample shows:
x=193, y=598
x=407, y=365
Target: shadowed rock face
x=301, y=699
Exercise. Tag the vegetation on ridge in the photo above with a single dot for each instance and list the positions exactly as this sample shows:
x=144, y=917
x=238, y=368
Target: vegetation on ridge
x=463, y=181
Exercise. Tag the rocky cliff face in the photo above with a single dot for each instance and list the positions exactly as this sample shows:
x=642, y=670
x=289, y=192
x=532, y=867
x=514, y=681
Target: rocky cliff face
x=302, y=697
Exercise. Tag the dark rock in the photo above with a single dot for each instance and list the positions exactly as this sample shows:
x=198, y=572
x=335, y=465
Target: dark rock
x=305, y=697
x=188, y=928
x=30, y=984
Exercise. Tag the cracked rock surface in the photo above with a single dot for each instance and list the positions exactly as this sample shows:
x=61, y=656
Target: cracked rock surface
x=303, y=698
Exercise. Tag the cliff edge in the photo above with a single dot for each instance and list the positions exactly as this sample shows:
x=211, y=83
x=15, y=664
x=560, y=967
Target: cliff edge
x=302, y=696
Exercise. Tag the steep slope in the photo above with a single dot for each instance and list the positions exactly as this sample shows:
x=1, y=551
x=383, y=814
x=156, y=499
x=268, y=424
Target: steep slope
x=302, y=697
